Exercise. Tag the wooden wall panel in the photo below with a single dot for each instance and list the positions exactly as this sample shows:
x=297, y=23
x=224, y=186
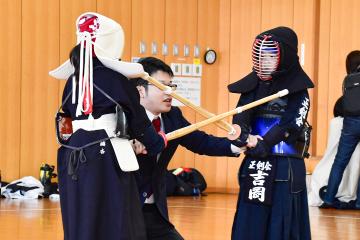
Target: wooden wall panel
x=224, y=80
x=305, y=25
x=276, y=13
x=40, y=51
x=181, y=28
x=322, y=90
x=10, y=90
x=223, y=75
x=119, y=11
x=245, y=25
x=213, y=87
x=344, y=25
x=148, y=25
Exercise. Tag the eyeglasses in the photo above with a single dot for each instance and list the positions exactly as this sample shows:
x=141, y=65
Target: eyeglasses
x=171, y=85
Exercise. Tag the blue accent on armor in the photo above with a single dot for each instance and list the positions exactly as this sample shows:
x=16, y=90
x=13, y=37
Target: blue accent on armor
x=263, y=124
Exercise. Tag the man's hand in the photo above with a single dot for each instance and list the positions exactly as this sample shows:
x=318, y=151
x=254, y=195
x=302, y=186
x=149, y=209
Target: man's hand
x=261, y=150
x=253, y=140
x=138, y=147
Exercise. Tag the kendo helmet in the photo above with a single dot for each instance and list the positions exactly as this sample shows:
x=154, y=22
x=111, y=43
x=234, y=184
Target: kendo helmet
x=274, y=51
x=275, y=58
x=265, y=56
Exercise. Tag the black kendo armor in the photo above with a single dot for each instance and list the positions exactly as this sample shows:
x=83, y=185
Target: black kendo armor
x=270, y=114
x=289, y=75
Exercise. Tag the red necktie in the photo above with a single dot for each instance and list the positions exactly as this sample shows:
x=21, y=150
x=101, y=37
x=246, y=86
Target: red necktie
x=157, y=124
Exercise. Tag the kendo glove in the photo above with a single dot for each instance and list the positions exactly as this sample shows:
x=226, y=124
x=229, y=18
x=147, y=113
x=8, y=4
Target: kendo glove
x=241, y=141
x=261, y=150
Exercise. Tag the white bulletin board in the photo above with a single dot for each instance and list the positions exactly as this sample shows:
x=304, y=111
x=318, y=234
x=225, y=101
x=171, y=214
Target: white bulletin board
x=189, y=88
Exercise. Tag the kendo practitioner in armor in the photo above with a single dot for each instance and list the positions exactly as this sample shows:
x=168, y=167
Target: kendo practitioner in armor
x=98, y=191
x=272, y=202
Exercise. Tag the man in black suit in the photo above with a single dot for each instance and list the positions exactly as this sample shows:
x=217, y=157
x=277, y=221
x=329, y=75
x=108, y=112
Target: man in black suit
x=152, y=174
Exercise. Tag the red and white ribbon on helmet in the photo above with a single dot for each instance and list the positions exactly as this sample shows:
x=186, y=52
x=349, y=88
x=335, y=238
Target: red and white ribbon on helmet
x=102, y=37
x=87, y=29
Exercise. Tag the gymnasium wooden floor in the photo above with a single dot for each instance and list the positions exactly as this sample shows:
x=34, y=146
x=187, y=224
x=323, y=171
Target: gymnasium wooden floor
x=205, y=218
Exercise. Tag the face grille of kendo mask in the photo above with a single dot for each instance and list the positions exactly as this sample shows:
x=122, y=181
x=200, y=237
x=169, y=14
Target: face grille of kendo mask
x=265, y=57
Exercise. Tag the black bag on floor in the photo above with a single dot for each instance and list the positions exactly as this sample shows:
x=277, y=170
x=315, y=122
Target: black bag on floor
x=351, y=94
x=185, y=182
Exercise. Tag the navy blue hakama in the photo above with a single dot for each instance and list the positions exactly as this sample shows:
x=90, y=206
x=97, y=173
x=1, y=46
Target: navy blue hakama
x=103, y=203
x=287, y=217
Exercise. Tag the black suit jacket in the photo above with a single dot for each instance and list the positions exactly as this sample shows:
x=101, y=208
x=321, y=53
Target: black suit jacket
x=152, y=174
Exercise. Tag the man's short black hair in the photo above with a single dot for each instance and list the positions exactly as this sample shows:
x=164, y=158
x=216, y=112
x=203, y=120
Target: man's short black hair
x=353, y=62
x=151, y=65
